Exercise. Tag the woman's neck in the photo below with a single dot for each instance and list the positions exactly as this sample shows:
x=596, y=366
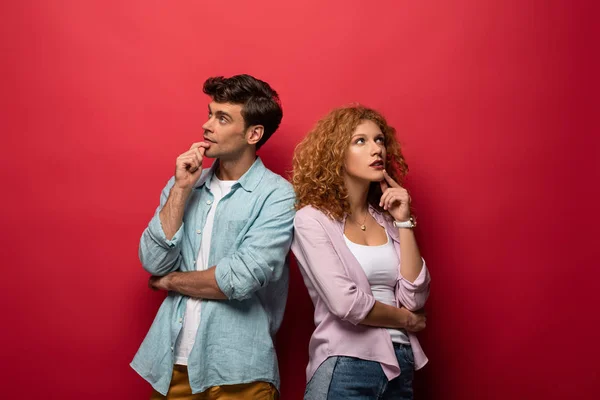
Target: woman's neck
x=358, y=190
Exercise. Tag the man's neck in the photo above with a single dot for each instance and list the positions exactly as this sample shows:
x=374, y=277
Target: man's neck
x=233, y=169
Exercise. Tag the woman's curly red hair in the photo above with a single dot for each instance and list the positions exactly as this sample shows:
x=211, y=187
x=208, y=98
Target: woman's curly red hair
x=318, y=163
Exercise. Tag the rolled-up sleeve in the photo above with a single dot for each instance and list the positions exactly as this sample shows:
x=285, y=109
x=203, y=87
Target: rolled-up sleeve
x=160, y=256
x=324, y=270
x=413, y=295
x=261, y=256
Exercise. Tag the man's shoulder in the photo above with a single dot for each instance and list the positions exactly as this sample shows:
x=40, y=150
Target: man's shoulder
x=276, y=183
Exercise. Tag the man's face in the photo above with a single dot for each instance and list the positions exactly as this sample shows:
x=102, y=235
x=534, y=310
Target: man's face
x=225, y=131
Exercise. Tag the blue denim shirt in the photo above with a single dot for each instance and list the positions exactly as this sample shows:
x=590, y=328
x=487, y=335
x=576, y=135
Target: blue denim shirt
x=252, y=234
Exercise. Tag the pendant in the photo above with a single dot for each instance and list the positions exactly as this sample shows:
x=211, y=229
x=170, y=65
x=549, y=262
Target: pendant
x=363, y=227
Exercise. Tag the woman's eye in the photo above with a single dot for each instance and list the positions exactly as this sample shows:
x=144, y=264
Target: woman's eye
x=359, y=141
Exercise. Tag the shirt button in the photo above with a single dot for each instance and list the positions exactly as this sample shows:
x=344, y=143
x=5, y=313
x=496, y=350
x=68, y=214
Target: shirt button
x=198, y=231
x=209, y=202
x=171, y=348
x=180, y=319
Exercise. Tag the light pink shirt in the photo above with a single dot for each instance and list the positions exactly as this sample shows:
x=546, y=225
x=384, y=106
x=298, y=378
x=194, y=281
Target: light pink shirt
x=342, y=296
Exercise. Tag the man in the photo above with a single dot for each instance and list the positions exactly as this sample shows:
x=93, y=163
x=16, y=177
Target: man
x=218, y=244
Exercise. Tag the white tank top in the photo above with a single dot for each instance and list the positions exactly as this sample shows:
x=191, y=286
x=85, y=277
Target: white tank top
x=380, y=264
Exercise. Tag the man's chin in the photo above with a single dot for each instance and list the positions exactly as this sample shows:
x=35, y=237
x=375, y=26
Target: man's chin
x=209, y=154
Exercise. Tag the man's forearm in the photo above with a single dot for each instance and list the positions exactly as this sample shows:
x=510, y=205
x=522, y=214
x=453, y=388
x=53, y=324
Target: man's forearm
x=200, y=284
x=171, y=215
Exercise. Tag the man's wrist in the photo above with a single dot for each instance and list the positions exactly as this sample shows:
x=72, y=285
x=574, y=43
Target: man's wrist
x=170, y=281
x=179, y=191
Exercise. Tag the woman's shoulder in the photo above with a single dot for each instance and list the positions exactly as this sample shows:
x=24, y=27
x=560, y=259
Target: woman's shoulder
x=310, y=213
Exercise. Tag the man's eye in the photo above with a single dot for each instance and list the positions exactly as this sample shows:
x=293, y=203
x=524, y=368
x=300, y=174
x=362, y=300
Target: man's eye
x=223, y=120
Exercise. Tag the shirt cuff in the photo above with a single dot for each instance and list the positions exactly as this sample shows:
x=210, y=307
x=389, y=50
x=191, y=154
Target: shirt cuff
x=421, y=282
x=359, y=310
x=157, y=233
x=223, y=281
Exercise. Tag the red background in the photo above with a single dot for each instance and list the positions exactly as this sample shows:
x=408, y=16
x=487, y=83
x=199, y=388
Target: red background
x=495, y=103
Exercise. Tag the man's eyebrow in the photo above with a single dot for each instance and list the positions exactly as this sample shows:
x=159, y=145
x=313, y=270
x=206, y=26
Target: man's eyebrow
x=223, y=114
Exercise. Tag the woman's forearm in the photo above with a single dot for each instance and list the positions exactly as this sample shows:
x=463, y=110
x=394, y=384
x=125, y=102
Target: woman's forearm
x=386, y=316
x=411, y=262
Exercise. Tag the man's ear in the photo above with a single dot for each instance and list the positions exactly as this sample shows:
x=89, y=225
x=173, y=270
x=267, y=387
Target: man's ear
x=254, y=134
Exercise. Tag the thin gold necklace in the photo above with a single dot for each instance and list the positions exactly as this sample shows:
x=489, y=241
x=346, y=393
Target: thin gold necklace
x=363, y=227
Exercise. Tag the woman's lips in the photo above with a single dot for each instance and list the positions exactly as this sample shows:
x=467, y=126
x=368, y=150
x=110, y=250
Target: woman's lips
x=377, y=165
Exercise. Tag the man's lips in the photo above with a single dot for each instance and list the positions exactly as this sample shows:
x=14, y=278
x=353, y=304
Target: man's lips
x=208, y=140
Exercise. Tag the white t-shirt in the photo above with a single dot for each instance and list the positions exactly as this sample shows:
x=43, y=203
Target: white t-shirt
x=191, y=318
x=380, y=264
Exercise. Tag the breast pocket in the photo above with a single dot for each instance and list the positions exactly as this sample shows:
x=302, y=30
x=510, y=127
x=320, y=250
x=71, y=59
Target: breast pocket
x=236, y=218
x=236, y=229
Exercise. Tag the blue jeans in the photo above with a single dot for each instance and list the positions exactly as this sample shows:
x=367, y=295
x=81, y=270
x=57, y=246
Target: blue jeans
x=349, y=378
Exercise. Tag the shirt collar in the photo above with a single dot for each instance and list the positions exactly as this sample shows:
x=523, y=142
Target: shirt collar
x=249, y=181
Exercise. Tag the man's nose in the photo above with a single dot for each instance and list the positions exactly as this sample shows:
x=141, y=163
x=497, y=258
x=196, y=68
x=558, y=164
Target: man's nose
x=207, y=126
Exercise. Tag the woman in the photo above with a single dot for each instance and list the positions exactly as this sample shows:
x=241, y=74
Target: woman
x=352, y=226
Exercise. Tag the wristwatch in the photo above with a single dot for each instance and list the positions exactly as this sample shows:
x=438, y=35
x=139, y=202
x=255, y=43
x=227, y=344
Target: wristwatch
x=411, y=223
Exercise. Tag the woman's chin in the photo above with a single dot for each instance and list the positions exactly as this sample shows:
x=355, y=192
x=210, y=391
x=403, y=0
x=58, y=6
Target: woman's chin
x=368, y=176
x=376, y=176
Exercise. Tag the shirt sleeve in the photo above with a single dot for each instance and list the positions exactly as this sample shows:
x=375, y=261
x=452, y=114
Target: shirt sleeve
x=160, y=256
x=324, y=271
x=262, y=255
x=413, y=295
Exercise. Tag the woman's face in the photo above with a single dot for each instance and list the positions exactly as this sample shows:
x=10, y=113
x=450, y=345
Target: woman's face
x=365, y=158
